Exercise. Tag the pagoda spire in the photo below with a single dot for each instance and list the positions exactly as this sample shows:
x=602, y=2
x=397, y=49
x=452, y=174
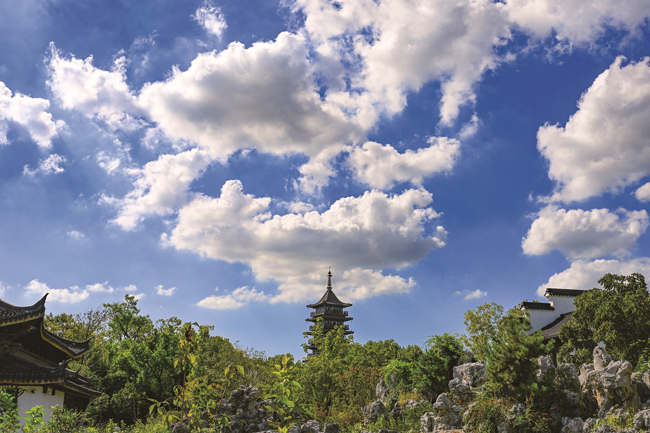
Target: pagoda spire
x=331, y=310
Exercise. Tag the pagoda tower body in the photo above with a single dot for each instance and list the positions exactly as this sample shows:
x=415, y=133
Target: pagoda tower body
x=331, y=310
x=36, y=361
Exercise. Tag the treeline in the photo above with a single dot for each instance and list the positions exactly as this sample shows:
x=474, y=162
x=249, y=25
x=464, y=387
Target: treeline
x=134, y=361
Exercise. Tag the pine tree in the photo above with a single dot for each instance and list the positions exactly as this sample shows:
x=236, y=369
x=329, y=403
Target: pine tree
x=512, y=363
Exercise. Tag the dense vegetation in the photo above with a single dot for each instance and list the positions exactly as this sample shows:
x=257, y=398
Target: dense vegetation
x=150, y=373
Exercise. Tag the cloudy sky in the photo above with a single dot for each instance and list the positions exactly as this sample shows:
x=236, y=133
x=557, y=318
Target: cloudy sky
x=215, y=158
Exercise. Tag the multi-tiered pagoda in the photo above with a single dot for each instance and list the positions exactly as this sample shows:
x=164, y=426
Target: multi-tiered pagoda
x=330, y=309
x=36, y=361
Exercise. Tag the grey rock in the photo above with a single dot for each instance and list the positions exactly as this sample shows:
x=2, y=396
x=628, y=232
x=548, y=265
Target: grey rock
x=371, y=413
x=294, y=429
x=332, y=428
x=601, y=358
x=427, y=422
x=311, y=426
x=584, y=371
x=568, y=377
x=546, y=367
x=471, y=374
x=642, y=420
x=572, y=425
x=611, y=389
x=381, y=390
x=589, y=425
x=447, y=416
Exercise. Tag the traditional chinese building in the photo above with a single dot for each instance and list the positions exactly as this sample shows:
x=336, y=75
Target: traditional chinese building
x=330, y=309
x=36, y=361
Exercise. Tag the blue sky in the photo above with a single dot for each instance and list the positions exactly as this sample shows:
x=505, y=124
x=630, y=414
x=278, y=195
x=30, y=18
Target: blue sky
x=216, y=158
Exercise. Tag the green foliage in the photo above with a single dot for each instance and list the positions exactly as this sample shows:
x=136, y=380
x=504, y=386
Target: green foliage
x=66, y=421
x=617, y=422
x=512, y=362
x=408, y=421
x=284, y=407
x=434, y=368
x=488, y=412
x=9, y=421
x=618, y=315
x=34, y=421
x=484, y=327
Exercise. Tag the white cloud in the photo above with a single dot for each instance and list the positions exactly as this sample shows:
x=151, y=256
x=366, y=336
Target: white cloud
x=354, y=235
x=165, y=292
x=576, y=21
x=211, y=19
x=139, y=296
x=112, y=159
x=476, y=294
x=100, y=287
x=160, y=186
x=3, y=288
x=77, y=235
x=238, y=298
x=605, y=145
x=260, y=97
x=398, y=45
x=65, y=296
x=30, y=113
x=643, y=193
x=99, y=94
x=49, y=165
x=585, y=274
x=584, y=234
x=382, y=166
x=131, y=288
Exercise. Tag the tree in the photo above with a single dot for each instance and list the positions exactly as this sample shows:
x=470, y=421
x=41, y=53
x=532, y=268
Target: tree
x=434, y=368
x=618, y=315
x=512, y=361
x=484, y=327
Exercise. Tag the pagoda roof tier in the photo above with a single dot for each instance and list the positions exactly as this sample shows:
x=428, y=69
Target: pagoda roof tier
x=15, y=370
x=329, y=298
x=10, y=314
x=74, y=348
x=333, y=317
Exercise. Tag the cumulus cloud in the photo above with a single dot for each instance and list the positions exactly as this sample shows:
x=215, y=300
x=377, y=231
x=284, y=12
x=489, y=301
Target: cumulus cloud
x=131, y=288
x=165, y=292
x=211, y=19
x=585, y=274
x=238, y=298
x=77, y=235
x=541, y=17
x=643, y=193
x=99, y=94
x=605, y=145
x=160, y=186
x=66, y=296
x=30, y=113
x=370, y=232
x=100, y=287
x=3, y=288
x=381, y=166
x=476, y=294
x=263, y=96
x=50, y=165
x=399, y=45
x=584, y=234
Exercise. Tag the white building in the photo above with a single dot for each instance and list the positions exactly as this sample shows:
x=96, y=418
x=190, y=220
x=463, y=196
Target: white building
x=550, y=316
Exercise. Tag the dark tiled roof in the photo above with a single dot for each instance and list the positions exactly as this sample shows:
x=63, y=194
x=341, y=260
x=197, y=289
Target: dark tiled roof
x=76, y=348
x=329, y=298
x=11, y=313
x=552, y=330
x=537, y=306
x=15, y=370
x=563, y=292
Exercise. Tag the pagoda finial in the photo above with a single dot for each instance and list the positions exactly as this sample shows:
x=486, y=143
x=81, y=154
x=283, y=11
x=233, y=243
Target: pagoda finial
x=329, y=279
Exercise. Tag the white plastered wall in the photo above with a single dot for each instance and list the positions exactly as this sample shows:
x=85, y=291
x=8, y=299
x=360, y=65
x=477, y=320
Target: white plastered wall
x=541, y=318
x=562, y=304
x=33, y=396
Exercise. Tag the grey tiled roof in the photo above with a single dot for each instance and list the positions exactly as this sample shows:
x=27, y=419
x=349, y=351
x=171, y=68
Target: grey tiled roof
x=552, y=330
x=537, y=306
x=563, y=292
x=15, y=370
x=329, y=298
x=11, y=313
